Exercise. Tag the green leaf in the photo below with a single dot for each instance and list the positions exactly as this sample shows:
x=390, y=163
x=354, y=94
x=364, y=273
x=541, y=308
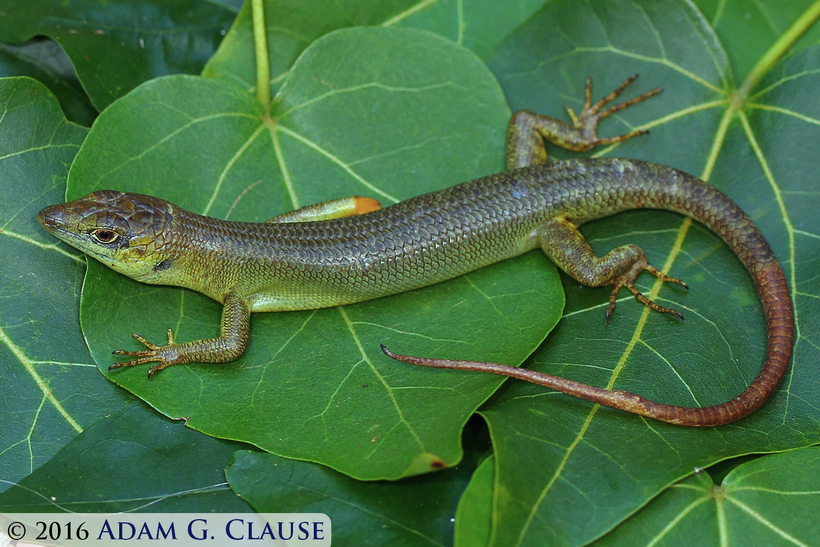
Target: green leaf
x=104, y=470
x=781, y=124
x=480, y=25
x=596, y=465
x=291, y=26
x=44, y=61
x=314, y=385
x=748, y=28
x=51, y=388
x=475, y=512
x=410, y=512
x=772, y=500
x=117, y=46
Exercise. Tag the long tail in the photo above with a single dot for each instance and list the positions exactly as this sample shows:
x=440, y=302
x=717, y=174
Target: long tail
x=725, y=218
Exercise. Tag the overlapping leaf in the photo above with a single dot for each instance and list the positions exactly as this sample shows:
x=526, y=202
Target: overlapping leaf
x=104, y=470
x=474, y=516
x=291, y=26
x=410, y=512
x=480, y=25
x=348, y=120
x=43, y=60
x=773, y=500
x=749, y=28
x=595, y=466
x=117, y=46
x=51, y=389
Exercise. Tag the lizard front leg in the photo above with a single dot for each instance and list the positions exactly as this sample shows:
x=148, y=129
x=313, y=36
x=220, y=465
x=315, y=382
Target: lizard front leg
x=565, y=245
x=231, y=343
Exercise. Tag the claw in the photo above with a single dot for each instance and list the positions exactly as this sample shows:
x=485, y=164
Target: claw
x=149, y=355
x=608, y=98
x=628, y=280
x=613, y=297
x=639, y=295
x=571, y=114
x=619, y=138
x=586, y=121
x=665, y=278
x=615, y=108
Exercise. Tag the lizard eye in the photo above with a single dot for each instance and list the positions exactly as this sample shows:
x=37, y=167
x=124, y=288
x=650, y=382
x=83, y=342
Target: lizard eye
x=105, y=236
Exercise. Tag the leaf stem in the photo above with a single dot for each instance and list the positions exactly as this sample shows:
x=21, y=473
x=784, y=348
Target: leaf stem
x=260, y=41
x=787, y=40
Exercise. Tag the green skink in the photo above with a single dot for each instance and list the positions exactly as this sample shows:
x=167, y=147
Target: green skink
x=319, y=256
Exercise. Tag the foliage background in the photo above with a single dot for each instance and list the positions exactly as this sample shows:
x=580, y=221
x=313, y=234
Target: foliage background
x=535, y=467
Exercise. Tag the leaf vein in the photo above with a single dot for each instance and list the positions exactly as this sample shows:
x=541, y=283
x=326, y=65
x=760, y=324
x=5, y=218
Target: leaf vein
x=381, y=379
x=335, y=159
x=765, y=522
x=28, y=364
x=241, y=150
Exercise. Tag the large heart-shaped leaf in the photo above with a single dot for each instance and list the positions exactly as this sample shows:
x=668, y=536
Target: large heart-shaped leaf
x=51, y=389
x=755, y=141
x=314, y=385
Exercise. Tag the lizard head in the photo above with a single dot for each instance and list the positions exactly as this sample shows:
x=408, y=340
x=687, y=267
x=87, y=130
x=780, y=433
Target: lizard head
x=130, y=233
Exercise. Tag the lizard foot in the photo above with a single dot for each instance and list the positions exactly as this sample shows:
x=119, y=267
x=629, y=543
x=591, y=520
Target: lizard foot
x=164, y=356
x=628, y=280
x=587, y=121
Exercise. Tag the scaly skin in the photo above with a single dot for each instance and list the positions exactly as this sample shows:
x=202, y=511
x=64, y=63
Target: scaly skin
x=277, y=266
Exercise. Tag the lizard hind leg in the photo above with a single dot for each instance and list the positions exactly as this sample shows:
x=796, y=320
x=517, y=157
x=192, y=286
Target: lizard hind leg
x=587, y=121
x=565, y=245
x=527, y=130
